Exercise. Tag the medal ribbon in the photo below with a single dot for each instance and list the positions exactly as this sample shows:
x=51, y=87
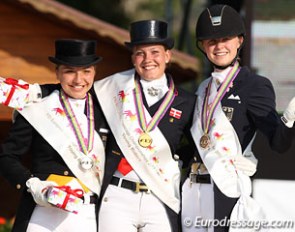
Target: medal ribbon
x=207, y=112
x=146, y=127
x=75, y=125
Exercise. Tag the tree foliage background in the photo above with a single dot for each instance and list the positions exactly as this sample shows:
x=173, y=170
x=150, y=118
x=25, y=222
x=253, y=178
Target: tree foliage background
x=111, y=11
x=122, y=12
x=180, y=14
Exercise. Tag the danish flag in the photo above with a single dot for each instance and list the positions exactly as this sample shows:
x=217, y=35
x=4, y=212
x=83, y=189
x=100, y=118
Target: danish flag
x=175, y=113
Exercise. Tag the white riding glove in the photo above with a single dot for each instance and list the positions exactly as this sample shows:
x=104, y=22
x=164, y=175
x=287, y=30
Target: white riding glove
x=289, y=114
x=38, y=189
x=245, y=165
x=35, y=93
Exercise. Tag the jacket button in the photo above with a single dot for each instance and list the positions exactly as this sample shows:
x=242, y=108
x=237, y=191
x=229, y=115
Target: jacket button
x=105, y=199
x=18, y=186
x=66, y=173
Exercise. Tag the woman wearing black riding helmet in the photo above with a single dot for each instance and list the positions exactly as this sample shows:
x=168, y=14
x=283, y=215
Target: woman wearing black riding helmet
x=220, y=25
x=232, y=105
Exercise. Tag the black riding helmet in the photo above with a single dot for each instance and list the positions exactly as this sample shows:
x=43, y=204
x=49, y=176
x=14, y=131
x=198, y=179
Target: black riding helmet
x=219, y=21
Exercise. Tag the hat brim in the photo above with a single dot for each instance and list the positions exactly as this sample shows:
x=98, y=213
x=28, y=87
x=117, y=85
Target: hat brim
x=75, y=62
x=168, y=43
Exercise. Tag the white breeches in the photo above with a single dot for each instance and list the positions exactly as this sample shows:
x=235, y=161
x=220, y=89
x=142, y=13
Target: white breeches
x=197, y=206
x=53, y=219
x=124, y=210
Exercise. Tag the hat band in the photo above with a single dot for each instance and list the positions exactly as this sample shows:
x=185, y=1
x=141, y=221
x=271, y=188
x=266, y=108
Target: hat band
x=87, y=57
x=168, y=42
x=76, y=60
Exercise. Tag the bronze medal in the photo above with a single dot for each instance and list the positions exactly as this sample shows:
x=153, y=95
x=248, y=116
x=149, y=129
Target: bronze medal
x=145, y=140
x=205, y=141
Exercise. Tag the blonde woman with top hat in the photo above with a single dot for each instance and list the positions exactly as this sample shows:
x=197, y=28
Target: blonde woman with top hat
x=60, y=189
x=233, y=103
x=147, y=115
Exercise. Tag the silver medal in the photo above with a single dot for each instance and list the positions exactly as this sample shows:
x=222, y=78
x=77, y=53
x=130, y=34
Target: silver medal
x=86, y=162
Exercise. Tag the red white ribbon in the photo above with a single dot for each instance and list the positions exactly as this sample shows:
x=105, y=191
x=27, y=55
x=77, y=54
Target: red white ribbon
x=14, y=83
x=76, y=192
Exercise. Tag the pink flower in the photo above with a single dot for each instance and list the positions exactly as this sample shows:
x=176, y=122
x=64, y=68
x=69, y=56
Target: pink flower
x=155, y=159
x=217, y=135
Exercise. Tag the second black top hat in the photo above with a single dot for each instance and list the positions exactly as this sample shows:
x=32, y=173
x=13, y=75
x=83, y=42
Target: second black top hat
x=149, y=32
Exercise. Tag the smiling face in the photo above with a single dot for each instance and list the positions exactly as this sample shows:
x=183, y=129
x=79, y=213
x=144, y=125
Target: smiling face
x=75, y=81
x=150, y=61
x=222, y=52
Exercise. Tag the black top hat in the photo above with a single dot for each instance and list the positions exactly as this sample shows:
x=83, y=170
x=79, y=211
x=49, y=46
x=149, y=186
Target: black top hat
x=74, y=52
x=149, y=32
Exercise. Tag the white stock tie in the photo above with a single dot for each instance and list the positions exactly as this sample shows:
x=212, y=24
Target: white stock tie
x=154, y=90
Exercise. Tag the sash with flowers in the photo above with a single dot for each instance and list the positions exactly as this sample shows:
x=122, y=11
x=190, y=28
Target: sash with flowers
x=148, y=153
x=218, y=153
x=221, y=142
x=49, y=119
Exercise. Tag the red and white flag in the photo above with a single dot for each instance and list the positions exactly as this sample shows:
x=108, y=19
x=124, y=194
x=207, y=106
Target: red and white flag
x=175, y=113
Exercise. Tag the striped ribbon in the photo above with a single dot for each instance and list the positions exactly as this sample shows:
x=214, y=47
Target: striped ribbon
x=146, y=127
x=208, y=112
x=75, y=125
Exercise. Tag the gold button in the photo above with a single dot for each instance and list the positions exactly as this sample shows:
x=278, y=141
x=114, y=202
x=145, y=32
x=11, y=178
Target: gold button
x=66, y=173
x=116, y=152
x=18, y=186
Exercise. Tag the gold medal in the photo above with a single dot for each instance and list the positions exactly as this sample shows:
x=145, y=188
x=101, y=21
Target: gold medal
x=145, y=140
x=205, y=141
